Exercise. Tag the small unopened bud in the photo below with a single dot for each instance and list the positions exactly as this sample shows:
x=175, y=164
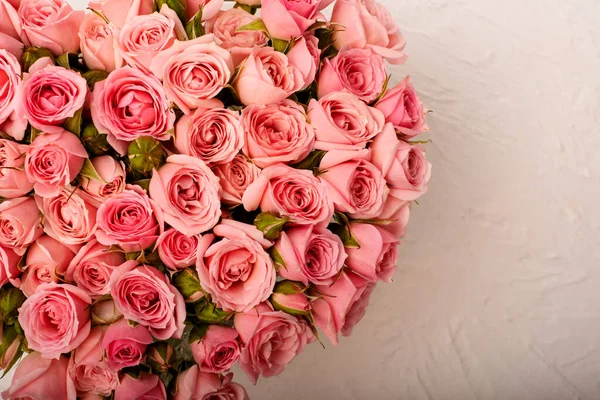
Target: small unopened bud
x=160, y=357
x=289, y=297
x=10, y=347
x=270, y=225
x=105, y=312
x=94, y=142
x=32, y=54
x=188, y=284
x=10, y=300
x=208, y=313
x=145, y=154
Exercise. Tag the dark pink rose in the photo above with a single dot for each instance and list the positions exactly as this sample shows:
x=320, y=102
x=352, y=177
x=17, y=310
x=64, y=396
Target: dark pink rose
x=20, y=223
x=290, y=192
x=56, y=319
x=218, y=350
x=277, y=133
x=130, y=220
x=38, y=377
x=235, y=177
x=130, y=104
x=118, y=12
x=378, y=253
x=53, y=161
x=272, y=339
x=49, y=95
x=112, y=182
x=125, y=345
x=96, y=38
x=10, y=79
x=13, y=178
x=146, y=387
x=176, y=250
x=144, y=295
x=402, y=107
x=193, y=384
x=9, y=267
x=236, y=271
x=188, y=193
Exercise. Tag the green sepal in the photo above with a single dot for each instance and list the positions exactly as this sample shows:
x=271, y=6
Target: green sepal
x=270, y=225
x=73, y=124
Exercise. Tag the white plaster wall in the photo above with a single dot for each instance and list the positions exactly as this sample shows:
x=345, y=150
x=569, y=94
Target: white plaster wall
x=498, y=292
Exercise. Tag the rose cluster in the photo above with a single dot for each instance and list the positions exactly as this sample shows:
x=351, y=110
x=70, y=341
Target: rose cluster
x=186, y=186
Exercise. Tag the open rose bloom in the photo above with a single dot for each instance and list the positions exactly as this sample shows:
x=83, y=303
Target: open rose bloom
x=187, y=186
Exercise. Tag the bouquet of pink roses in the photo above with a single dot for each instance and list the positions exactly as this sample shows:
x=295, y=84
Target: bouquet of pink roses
x=186, y=186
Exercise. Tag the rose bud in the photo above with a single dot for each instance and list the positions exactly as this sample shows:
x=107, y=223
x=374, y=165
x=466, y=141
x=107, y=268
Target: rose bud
x=112, y=179
x=188, y=284
x=145, y=154
x=105, y=312
x=208, y=313
x=32, y=54
x=289, y=297
x=218, y=350
x=160, y=357
x=94, y=142
x=10, y=348
x=146, y=386
x=210, y=8
x=96, y=38
x=125, y=345
x=10, y=300
x=193, y=384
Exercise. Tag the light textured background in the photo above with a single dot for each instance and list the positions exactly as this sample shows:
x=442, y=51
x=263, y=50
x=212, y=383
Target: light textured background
x=498, y=292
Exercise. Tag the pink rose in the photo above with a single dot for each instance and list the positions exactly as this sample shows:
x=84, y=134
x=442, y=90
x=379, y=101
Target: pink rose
x=96, y=39
x=144, y=295
x=378, y=253
x=130, y=220
x=38, y=377
x=402, y=107
x=130, y=104
x=210, y=8
x=13, y=179
x=53, y=161
x=118, y=12
x=343, y=122
x=355, y=185
x=52, y=24
x=146, y=387
x=47, y=259
x=224, y=26
x=194, y=384
x=311, y=254
x=290, y=192
x=20, y=223
x=213, y=135
x=92, y=267
x=10, y=78
x=125, y=345
x=236, y=271
x=342, y=305
x=56, y=319
x=9, y=267
x=288, y=19
x=68, y=218
x=368, y=24
x=188, y=193
x=112, y=173
x=218, y=350
x=306, y=56
x=89, y=369
x=49, y=95
x=277, y=133
x=399, y=213
x=193, y=72
x=272, y=340
x=235, y=177
x=10, y=24
x=358, y=71
x=267, y=77
x=176, y=250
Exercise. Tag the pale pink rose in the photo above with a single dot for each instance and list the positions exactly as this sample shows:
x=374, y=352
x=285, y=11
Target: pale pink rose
x=125, y=345
x=288, y=19
x=402, y=107
x=236, y=271
x=356, y=186
x=194, y=72
x=96, y=39
x=49, y=95
x=378, y=253
x=118, y=12
x=210, y=8
x=146, y=387
x=342, y=305
x=112, y=173
x=311, y=254
x=188, y=193
x=218, y=350
x=276, y=133
x=10, y=78
x=368, y=24
x=290, y=192
x=306, y=56
x=38, y=377
x=294, y=304
x=68, y=309
x=53, y=161
x=51, y=24
x=224, y=27
x=144, y=295
x=46, y=261
x=92, y=267
x=13, y=179
x=343, y=122
x=235, y=177
x=130, y=220
x=193, y=384
x=20, y=223
x=9, y=267
x=130, y=104
x=213, y=135
x=358, y=71
x=88, y=368
x=272, y=340
x=68, y=217
x=267, y=77
x=176, y=250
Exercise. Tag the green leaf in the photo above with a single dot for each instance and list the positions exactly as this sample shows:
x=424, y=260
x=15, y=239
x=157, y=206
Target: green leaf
x=194, y=27
x=95, y=143
x=341, y=227
x=198, y=332
x=277, y=258
x=73, y=124
x=256, y=25
x=280, y=45
x=34, y=134
x=93, y=76
x=69, y=61
x=270, y=225
x=312, y=161
x=10, y=300
x=188, y=284
x=207, y=312
x=90, y=172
